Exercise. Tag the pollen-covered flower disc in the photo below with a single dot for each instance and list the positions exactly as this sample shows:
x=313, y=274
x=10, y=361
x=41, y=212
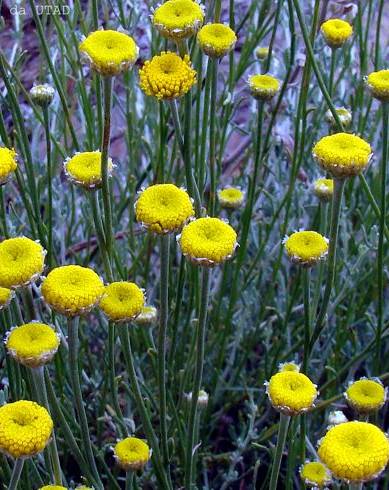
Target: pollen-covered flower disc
x=131, y=453
x=315, y=475
x=109, y=52
x=84, y=169
x=32, y=344
x=163, y=208
x=53, y=487
x=342, y=154
x=366, y=395
x=122, y=301
x=167, y=76
x=291, y=392
x=336, y=32
x=25, y=428
x=6, y=296
x=355, y=451
x=230, y=197
x=263, y=87
x=208, y=241
x=178, y=19
x=72, y=290
x=323, y=188
x=306, y=247
x=216, y=40
x=8, y=164
x=378, y=84
x=21, y=262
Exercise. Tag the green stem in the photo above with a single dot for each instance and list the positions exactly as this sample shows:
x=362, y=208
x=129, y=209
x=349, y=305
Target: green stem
x=198, y=376
x=307, y=315
x=335, y=215
x=16, y=472
x=381, y=239
x=50, y=251
x=212, y=136
x=112, y=375
x=281, y=439
x=332, y=72
x=73, y=341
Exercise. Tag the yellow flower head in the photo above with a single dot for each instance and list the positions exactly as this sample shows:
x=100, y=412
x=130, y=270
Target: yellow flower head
x=84, y=487
x=167, y=76
x=53, y=487
x=6, y=296
x=315, y=475
x=344, y=115
x=163, y=208
x=25, y=428
x=42, y=94
x=109, y=52
x=72, y=290
x=84, y=169
x=306, y=247
x=366, y=395
x=262, y=52
x=336, y=32
x=288, y=366
x=208, y=241
x=230, y=197
x=132, y=453
x=323, y=189
x=122, y=301
x=342, y=154
x=291, y=392
x=354, y=451
x=178, y=19
x=378, y=84
x=8, y=164
x=263, y=87
x=147, y=316
x=21, y=262
x=216, y=40
x=32, y=344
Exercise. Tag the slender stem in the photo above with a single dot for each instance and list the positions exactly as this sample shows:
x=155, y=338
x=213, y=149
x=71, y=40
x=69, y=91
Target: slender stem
x=73, y=341
x=50, y=251
x=307, y=315
x=218, y=9
x=212, y=135
x=332, y=72
x=107, y=95
x=16, y=472
x=381, y=239
x=163, y=320
x=281, y=438
x=198, y=376
x=355, y=486
x=112, y=374
x=335, y=214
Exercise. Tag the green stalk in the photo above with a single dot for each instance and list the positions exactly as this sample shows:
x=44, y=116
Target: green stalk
x=212, y=135
x=281, y=439
x=381, y=239
x=16, y=472
x=332, y=72
x=163, y=321
x=307, y=315
x=73, y=341
x=112, y=375
x=50, y=250
x=335, y=215
x=198, y=376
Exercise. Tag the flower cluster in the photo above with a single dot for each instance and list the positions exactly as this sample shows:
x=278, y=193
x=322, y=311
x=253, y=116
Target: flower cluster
x=230, y=197
x=84, y=169
x=314, y=474
x=323, y=188
x=336, y=32
x=216, y=40
x=6, y=296
x=8, y=164
x=263, y=87
x=366, y=395
x=122, y=301
x=306, y=247
x=378, y=84
x=178, y=19
x=132, y=453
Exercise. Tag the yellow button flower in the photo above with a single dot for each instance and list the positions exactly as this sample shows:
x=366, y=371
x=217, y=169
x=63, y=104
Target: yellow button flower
x=72, y=290
x=344, y=115
x=306, y=247
x=336, y=32
x=109, y=52
x=32, y=344
x=262, y=52
x=216, y=40
x=84, y=169
x=178, y=19
x=314, y=474
x=366, y=395
x=288, y=366
x=122, y=301
x=342, y=154
x=163, y=208
x=355, y=451
x=25, y=428
x=6, y=296
x=8, y=164
x=378, y=84
x=323, y=188
x=230, y=197
x=167, y=76
x=132, y=453
x=53, y=487
x=263, y=87
x=21, y=262
x=208, y=241
x=148, y=315
x=291, y=392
